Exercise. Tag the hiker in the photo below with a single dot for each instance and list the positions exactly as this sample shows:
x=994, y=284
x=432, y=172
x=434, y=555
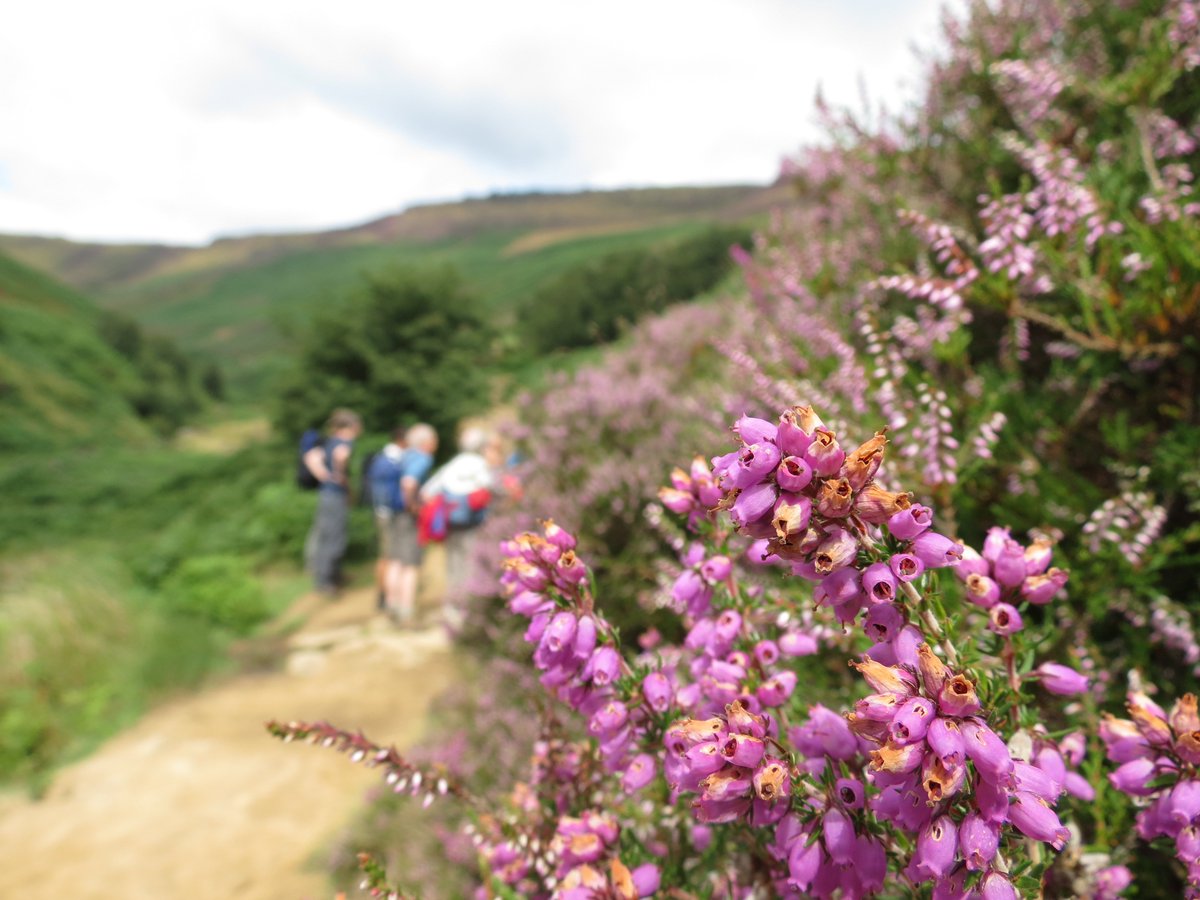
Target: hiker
x=466, y=485
x=395, y=477
x=381, y=491
x=329, y=462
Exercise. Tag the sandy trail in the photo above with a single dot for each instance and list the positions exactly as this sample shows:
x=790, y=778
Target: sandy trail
x=198, y=801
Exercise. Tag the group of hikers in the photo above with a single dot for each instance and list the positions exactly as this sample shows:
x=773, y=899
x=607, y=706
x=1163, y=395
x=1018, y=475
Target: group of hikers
x=412, y=507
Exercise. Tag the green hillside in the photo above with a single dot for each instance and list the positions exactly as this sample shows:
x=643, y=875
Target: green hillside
x=237, y=300
x=60, y=381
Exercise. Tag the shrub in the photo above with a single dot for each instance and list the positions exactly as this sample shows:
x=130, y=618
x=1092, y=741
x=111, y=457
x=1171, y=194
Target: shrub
x=217, y=590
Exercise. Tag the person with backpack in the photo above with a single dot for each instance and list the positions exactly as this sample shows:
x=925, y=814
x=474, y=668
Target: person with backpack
x=465, y=487
x=328, y=462
x=395, y=477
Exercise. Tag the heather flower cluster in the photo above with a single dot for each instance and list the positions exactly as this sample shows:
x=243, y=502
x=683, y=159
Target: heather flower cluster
x=1157, y=755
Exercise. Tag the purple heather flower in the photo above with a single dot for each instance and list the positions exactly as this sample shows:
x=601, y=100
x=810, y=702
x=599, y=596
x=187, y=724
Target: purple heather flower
x=946, y=740
x=798, y=643
x=971, y=564
x=996, y=886
x=1004, y=619
x=837, y=832
x=987, y=751
x=1133, y=777
x=850, y=792
x=728, y=626
x=824, y=454
x=936, y=550
x=776, y=690
x=743, y=750
x=1036, y=781
x=603, y=667
x=979, y=839
x=794, y=474
x=879, y=582
x=959, y=698
x=560, y=633
x=1183, y=803
x=692, y=593
x=646, y=879
x=772, y=782
x=1111, y=881
x=1187, y=845
x=641, y=772
x=912, y=721
x=908, y=523
x=804, y=862
x=754, y=431
x=937, y=846
x=1061, y=680
x=991, y=799
x=878, y=707
x=657, y=690
x=796, y=428
x=1034, y=818
x=753, y=504
x=982, y=591
x=837, y=550
x=906, y=566
x=870, y=864
x=841, y=587
x=828, y=733
x=1041, y=589
x=716, y=569
x=883, y=622
x=1037, y=556
x=1079, y=787
x=767, y=653
x=994, y=543
x=791, y=515
x=1009, y=566
x=754, y=464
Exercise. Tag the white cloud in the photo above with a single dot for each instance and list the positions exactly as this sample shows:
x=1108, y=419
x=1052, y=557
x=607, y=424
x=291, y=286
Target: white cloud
x=137, y=119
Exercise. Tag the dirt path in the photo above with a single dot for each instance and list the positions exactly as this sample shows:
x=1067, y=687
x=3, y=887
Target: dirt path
x=197, y=801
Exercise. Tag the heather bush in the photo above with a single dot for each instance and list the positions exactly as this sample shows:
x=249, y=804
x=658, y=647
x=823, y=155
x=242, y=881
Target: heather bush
x=988, y=504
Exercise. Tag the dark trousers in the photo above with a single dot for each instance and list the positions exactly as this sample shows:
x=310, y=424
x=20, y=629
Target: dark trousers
x=326, y=544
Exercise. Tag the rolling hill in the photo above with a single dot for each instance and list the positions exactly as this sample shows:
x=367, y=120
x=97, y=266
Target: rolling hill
x=237, y=299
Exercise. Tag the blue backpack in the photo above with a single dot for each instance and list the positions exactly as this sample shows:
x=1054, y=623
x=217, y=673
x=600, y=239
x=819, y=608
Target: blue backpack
x=384, y=479
x=305, y=479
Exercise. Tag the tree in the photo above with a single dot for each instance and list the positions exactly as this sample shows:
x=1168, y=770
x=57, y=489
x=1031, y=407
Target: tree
x=409, y=346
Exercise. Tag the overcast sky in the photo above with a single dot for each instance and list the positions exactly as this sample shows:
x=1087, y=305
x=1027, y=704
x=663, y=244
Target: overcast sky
x=176, y=121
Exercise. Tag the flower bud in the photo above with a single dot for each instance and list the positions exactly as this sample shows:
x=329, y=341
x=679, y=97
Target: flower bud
x=936, y=550
x=640, y=772
x=558, y=536
x=1061, y=680
x=1150, y=719
x=1034, y=818
x=979, y=840
x=752, y=505
x=995, y=542
x=793, y=474
x=754, y=431
x=986, y=751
